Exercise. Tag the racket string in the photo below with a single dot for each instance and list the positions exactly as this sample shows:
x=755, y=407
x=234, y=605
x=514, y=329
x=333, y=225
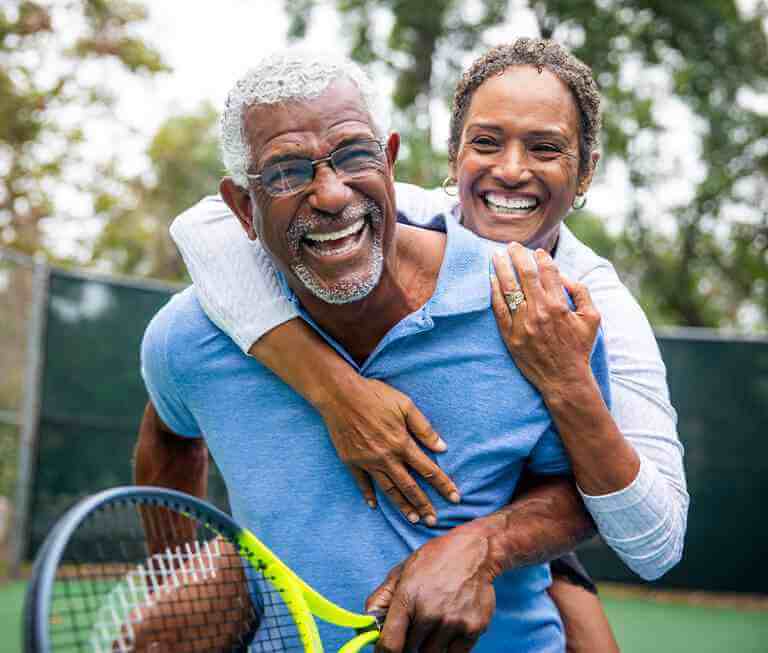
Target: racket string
x=139, y=574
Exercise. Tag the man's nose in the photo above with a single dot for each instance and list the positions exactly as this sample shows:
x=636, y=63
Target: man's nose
x=328, y=192
x=513, y=166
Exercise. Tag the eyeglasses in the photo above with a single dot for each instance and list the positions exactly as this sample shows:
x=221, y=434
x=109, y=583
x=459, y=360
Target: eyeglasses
x=294, y=175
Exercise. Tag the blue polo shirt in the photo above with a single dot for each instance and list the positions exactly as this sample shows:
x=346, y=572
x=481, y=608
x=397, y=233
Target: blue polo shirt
x=286, y=482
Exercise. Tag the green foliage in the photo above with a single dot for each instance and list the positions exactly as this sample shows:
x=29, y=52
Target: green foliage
x=40, y=80
x=709, y=55
x=590, y=228
x=185, y=166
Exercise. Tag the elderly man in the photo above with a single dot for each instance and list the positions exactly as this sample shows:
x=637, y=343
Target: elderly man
x=311, y=177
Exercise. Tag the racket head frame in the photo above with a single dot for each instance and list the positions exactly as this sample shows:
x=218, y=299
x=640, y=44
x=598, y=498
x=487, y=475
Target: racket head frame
x=301, y=600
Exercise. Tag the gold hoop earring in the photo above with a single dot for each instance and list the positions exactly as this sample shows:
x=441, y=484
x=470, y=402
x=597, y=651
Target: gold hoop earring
x=450, y=182
x=579, y=202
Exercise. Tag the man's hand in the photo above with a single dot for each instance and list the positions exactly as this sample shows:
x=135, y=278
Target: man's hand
x=440, y=599
x=373, y=427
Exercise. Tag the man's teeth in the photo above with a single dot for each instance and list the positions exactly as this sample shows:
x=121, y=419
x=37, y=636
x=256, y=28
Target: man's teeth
x=336, y=235
x=505, y=203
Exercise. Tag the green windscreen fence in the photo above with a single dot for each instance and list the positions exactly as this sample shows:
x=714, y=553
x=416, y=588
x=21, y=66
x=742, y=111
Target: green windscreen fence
x=92, y=393
x=720, y=390
x=93, y=397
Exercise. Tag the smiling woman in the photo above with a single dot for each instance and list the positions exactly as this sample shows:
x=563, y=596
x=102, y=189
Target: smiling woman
x=517, y=162
x=523, y=149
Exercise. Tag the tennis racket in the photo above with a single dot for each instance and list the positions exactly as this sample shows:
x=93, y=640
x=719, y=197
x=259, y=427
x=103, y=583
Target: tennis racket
x=136, y=569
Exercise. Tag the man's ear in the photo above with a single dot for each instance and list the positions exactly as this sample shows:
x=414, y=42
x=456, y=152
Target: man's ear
x=586, y=180
x=239, y=201
x=393, y=147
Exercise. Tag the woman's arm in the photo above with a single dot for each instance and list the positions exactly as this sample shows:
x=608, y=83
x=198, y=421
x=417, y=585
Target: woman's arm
x=633, y=505
x=371, y=425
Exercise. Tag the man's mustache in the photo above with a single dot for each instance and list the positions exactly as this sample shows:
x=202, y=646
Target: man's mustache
x=312, y=221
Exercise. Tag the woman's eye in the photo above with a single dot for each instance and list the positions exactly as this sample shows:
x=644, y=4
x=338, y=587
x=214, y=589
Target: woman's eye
x=547, y=148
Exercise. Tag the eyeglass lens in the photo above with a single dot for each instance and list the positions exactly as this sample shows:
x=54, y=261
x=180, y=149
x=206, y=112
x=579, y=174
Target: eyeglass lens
x=293, y=175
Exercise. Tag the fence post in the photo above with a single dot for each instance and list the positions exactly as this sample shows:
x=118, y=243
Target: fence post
x=30, y=416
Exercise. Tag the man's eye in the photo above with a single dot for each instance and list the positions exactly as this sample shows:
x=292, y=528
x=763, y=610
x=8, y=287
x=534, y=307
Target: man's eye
x=484, y=143
x=354, y=157
x=285, y=174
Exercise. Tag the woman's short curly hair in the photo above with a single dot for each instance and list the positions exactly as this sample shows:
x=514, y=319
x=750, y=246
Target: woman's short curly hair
x=541, y=53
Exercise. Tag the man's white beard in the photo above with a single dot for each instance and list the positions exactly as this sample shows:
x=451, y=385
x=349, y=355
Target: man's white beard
x=358, y=286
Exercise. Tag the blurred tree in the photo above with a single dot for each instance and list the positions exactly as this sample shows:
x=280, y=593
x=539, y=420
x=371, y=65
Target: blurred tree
x=185, y=166
x=711, y=267
x=45, y=50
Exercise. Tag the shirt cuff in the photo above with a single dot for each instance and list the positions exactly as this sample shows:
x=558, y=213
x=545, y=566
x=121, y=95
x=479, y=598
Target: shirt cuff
x=635, y=492
x=638, y=508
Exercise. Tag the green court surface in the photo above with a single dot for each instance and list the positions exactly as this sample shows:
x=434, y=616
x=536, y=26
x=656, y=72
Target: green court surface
x=11, y=601
x=642, y=624
x=645, y=625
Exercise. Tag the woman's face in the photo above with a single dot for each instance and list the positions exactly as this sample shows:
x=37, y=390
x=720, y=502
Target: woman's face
x=518, y=160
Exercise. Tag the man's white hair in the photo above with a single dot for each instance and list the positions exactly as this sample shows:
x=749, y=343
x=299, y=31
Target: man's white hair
x=281, y=77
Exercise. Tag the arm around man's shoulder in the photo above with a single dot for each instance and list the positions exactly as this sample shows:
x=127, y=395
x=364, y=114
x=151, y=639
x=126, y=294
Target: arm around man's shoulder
x=235, y=280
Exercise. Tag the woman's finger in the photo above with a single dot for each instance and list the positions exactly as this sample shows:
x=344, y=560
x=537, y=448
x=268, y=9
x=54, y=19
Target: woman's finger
x=432, y=474
x=414, y=495
x=501, y=309
x=527, y=273
x=549, y=277
x=582, y=300
x=504, y=271
x=405, y=493
x=422, y=430
x=366, y=486
x=510, y=291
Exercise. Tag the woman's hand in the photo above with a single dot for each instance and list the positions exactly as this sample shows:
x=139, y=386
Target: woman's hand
x=373, y=427
x=551, y=343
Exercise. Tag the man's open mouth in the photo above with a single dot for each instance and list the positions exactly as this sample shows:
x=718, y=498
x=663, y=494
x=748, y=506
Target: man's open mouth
x=500, y=203
x=333, y=243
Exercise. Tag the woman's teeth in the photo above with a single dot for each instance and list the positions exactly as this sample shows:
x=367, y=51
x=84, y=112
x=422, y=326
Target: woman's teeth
x=505, y=204
x=336, y=235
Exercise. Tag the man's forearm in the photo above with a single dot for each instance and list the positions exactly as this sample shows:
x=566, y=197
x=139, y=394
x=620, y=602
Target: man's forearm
x=164, y=459
x=542, y=523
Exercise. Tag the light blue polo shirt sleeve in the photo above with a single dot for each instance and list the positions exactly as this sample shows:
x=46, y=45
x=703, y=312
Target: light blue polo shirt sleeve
x=159, y=379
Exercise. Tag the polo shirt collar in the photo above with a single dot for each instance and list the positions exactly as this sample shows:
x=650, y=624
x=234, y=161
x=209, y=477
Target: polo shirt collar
x=463, y=285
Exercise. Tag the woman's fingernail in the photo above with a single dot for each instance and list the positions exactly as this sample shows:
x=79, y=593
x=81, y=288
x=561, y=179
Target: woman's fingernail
x=431, y=520
x=372, y=505
x=441, y=444
x=454, y=496
x=413, y=518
